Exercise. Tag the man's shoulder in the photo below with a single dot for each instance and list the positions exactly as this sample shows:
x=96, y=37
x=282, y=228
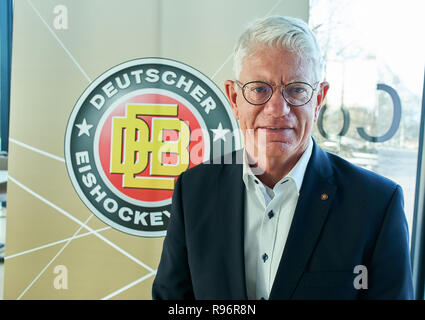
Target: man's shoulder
x=347, y=172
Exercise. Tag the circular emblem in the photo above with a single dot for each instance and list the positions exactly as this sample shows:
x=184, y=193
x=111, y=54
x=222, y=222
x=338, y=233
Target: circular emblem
x=134, y=130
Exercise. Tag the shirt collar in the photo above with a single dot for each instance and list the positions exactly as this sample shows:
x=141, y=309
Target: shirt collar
x=297, y=172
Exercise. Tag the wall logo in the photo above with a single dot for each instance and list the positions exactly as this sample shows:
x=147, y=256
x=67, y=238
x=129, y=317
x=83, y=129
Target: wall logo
x=134, y=130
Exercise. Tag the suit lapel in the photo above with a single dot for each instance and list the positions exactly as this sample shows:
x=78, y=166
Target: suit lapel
x=316, y=196
x=230, y=205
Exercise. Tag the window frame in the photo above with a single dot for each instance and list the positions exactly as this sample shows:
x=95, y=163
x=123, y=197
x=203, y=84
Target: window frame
x=418, y=232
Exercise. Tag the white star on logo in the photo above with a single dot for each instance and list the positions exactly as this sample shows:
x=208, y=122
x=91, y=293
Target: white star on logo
x=220, y=133
x=84, y=128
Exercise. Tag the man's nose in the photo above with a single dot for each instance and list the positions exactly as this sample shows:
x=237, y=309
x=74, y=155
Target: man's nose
x=277, y=105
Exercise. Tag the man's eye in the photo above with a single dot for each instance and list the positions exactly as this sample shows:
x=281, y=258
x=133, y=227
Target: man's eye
x=297, y=90
x=263, y=89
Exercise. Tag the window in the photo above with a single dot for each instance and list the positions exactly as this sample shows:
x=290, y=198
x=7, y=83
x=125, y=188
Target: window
x=374, y=64
x=5, y=58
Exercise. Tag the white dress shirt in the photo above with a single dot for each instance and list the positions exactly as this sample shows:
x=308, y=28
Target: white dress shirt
x=268, y=218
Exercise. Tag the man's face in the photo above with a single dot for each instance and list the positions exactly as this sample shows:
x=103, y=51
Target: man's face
x=276, y=129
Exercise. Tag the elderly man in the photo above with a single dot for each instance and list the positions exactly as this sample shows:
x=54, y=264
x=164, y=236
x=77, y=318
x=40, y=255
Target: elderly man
x=291, y=221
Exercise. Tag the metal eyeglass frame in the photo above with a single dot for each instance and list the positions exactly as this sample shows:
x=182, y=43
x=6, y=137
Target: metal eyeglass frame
x=282, y=91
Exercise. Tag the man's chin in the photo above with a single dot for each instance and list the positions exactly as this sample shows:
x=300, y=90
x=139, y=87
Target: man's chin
x=273, y=149
x=277, y=149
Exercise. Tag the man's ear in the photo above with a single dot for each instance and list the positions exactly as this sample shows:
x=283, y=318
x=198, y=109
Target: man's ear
x=232, y=95
x=321, y=95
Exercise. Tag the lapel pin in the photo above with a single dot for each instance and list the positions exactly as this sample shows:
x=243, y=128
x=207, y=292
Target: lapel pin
x=324, y=196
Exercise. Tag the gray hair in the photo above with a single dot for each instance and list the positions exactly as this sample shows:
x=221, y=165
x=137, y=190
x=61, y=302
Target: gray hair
x=279, y=32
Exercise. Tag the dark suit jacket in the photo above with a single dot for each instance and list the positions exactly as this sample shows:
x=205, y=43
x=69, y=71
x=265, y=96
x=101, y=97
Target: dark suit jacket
x=361, y=222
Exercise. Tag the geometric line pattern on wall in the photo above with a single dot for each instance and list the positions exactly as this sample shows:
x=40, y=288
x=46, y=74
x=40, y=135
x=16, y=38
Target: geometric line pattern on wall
x=91, y=231
x=54, y=258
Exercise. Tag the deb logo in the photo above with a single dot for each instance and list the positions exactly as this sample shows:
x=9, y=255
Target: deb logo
x=134, y=130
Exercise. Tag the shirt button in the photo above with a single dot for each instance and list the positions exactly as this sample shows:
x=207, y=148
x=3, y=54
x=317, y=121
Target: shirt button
x=265, y=257
x=271, y=214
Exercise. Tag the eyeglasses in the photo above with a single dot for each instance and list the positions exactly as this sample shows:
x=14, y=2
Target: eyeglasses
x=295, y=93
